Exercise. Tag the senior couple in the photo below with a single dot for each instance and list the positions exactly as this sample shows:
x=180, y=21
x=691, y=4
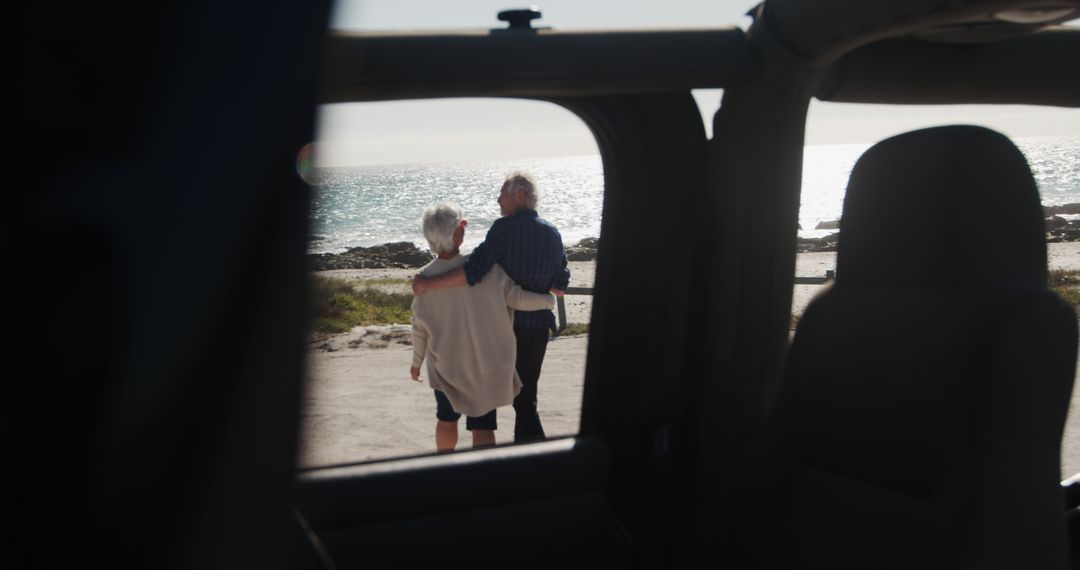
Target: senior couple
x=481, y=321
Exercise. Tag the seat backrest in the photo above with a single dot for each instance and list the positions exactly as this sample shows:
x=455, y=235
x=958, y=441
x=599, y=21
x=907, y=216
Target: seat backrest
x=920, y=418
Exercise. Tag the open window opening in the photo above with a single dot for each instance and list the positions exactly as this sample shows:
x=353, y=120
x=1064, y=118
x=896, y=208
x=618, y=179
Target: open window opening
x=375, y=168
x=838, y=133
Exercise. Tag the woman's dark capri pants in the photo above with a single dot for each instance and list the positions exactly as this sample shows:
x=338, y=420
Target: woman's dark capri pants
x=445, y=412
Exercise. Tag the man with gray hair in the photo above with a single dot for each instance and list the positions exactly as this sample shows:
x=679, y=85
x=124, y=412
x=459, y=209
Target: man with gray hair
x=466, y=336
x=530, y=250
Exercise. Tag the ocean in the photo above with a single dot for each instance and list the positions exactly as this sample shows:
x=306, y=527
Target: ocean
x=370, y=205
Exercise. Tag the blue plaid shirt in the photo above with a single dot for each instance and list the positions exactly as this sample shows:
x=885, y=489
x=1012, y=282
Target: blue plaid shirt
x=531, y=252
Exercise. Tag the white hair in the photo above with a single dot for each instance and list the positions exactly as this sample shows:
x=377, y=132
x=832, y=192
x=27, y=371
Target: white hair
x=522, y=182
x=439, y=223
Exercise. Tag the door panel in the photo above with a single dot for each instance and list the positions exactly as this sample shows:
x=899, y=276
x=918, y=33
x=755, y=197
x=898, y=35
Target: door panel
x=505, y=500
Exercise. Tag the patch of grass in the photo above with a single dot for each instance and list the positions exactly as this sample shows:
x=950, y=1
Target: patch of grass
x=337, y=306
x=1071, y=296
x=1063, y=277
x=575, y=328
x=1066, y=283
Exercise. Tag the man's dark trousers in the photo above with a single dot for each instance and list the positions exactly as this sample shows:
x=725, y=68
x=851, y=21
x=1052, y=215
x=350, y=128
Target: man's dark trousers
x=531, y=346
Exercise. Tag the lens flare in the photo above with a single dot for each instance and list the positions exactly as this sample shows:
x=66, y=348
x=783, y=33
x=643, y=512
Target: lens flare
x=305, y=164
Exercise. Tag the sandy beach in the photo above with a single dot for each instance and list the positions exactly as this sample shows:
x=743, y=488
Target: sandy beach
x=361, y=404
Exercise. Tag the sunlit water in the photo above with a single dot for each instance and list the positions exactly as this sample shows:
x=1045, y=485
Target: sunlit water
x=369, y=205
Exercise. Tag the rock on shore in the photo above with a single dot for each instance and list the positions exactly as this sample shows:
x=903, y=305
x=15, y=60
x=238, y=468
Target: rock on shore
x=808, y=245
x=405, y=255
x=1058, y=229
x=399, y=255
x=584, y=250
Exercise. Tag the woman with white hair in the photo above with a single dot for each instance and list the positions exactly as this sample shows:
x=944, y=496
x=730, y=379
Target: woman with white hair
x=466, y=335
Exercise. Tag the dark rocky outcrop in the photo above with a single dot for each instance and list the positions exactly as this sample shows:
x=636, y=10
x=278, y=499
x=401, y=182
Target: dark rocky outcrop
x=1070, y=231
x=406, y=255
x=1067, y=209
x=397, y=255
x=584, y=250
x=808, y=245
x=1059, y=229
x=1055, y=223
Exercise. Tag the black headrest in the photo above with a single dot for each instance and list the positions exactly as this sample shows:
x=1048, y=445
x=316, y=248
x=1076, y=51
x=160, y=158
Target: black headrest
x=940, y=208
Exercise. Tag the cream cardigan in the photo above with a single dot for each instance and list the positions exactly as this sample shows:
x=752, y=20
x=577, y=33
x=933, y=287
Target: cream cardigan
x=467, y=335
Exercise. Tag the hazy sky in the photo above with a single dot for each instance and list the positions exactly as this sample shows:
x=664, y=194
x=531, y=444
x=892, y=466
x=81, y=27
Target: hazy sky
x=493, y=129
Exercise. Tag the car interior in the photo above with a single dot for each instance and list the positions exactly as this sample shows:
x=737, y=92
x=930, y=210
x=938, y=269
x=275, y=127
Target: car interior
x=914, y=421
